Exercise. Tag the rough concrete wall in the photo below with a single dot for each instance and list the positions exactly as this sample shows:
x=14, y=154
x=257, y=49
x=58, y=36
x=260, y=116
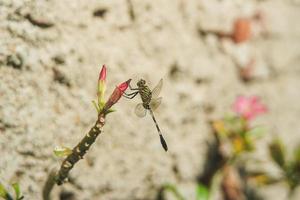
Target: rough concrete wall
x=50, y=56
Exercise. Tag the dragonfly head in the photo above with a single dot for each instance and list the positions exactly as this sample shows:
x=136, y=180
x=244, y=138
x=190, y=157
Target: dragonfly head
x=141, y=83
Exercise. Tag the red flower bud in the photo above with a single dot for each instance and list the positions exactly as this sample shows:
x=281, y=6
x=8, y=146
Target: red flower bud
x=116, y=95
x=101, y=87
x=123, y=86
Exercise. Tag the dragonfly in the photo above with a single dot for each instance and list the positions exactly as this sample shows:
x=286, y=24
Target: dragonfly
x=150, y=102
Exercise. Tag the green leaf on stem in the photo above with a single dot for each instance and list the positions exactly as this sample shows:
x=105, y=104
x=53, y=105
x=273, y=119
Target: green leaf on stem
x=17, y=190
x=261, y=178
x=256, y=132
x=96, y=106
x=3, y=191
x=173, y=189
x=297, y=154
x=110, y=111
x=202, y=192
x=62, y=151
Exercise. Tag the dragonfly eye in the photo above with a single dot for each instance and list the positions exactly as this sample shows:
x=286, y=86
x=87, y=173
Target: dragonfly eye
x=141, y=83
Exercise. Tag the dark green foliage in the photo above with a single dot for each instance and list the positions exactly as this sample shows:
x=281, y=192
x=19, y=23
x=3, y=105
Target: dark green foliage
x=277, y=152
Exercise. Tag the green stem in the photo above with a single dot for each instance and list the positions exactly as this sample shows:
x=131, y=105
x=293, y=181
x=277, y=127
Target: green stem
x=80, y=150
x=49, y=185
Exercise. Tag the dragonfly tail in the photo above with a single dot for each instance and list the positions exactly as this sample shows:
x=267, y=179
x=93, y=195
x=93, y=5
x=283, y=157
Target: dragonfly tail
x=162, y=140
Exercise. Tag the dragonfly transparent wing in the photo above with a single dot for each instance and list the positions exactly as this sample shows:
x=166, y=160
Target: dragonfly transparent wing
x=156, y=90
x=139, y=110
x=154, y=103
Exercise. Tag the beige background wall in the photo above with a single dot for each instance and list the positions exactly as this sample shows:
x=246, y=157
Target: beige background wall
x=50, y=56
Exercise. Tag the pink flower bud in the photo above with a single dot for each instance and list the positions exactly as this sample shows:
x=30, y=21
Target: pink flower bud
x=102, y=75
x=101, y=86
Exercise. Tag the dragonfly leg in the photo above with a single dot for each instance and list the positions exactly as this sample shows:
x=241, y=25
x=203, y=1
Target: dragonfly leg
x=130, y=96
x=133, y=93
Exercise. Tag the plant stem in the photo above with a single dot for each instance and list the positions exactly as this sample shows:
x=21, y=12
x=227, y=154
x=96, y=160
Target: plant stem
x=77, y=153
x=49, y=185
x=80, y=150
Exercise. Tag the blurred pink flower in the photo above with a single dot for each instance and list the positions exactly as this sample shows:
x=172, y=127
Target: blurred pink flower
x=249, y=107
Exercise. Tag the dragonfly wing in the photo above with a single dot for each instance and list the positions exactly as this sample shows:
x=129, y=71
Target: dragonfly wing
x=140, y=111
x=154, y=103
x=156, y=90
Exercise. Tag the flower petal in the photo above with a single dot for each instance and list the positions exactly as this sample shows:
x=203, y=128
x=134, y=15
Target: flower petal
x=249, y=107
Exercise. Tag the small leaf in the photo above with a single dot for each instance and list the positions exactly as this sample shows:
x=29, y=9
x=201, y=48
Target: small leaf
x=261, y=178
x=101, y=106
x=202, y=192
x=17, y=190
x=219, y=127
x=277, y=152
x=110, y=110
x=96, y=106
x=3, y=191
x=62, y=151
x=238, y=145
x=249, y=143
x=174, y=191
x=297, y=154
x=256, y=132
x=235, y=125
